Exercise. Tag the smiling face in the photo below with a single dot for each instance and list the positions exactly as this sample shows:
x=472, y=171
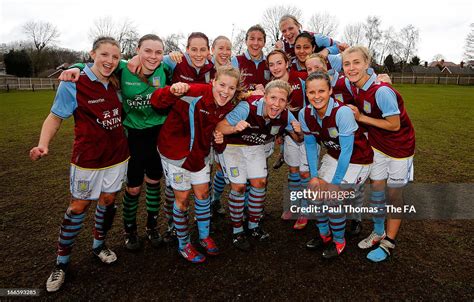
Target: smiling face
x=198, y=51
x=224, y=88
x=303, y=48
x=318, y=93
x=314, y=65
x=277, y=65
x=255, y=43
x=355, y=66
x=276, y=100
x=289, y=30
x=222, y=51
x=106, y=58
x=150, y=53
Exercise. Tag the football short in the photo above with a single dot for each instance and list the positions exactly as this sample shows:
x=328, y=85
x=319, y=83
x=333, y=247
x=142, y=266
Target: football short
x=355, y=174
x=181, y=179
x=397, y=171
x=295, y=154
x=240, y=163
x=88, y=184
x=144, y=157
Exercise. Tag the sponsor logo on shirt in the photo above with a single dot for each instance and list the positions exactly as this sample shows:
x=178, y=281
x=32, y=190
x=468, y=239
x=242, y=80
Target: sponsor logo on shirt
x=96, y=101
x=110, y=119
x=203, y=111
x=132, y=83
x=295, y=87
x=186, y=78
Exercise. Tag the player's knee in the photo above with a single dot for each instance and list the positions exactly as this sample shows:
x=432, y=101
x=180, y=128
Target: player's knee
x=107, y=199
x=259, y=183
x=134, y=191
x=239, y=188
x=78, y=206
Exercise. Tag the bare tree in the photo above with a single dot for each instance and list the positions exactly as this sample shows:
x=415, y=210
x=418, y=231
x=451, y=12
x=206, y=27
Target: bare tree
x=42, y=34
x=238, y=42
x=409, y=36
x=438, y=57
x=174, y=42
x=125, y=32
x=386, y=43
x=372, y=32
x=271, y=20
x=323, y=23
x=354, y=34
x=469, y=47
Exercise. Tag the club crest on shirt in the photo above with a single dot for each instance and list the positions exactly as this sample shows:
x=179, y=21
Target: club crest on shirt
x=275, y=130
x=339, y=97
x=178, y=178
x=156, y=81
x=367, y=107
x=333, y=132
x=234, y=171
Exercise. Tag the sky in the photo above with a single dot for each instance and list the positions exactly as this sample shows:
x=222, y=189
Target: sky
x=443, y=25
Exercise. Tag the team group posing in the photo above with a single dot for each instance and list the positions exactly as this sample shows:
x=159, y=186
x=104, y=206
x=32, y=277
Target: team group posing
x=229, y=111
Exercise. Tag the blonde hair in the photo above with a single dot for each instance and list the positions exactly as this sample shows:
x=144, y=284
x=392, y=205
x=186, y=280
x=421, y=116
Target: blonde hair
x=219, y=38
x=319, y=57
x=278, y=84
x=289, y=17
x=362, y=49
x=234, y=73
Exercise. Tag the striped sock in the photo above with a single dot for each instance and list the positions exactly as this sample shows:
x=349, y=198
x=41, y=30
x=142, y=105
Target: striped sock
x=70, y=228
x=99, y=233
x=322, y=220
x=202, y=210
x=236, y=209
x=294, y=184
x=180, y=220
x=130, y=205
x=168, y=205
x=256, y=204
x=337, y=222
x=358, y=201
x=218, y=185
x=153, y=193
x=303, y=186
x=377, y=201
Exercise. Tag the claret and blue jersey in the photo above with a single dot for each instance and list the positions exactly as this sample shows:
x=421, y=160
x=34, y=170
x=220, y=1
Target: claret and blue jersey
x=261, y=130
x=339, y=133
x=99, y=139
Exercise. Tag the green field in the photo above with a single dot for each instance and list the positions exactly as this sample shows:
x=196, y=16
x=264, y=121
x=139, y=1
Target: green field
x=442, y=116
x=429, y=262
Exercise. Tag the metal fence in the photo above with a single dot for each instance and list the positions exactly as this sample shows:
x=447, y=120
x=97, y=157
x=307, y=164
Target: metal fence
x=430, y=79
x=12, y=83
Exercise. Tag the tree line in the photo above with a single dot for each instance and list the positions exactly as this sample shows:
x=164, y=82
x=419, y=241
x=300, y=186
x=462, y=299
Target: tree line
x=389, y=47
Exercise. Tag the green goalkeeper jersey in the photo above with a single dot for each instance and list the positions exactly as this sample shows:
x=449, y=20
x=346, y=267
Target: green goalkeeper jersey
x=136, y=94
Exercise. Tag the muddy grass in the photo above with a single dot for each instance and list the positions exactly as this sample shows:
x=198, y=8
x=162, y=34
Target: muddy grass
x=433, y=259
